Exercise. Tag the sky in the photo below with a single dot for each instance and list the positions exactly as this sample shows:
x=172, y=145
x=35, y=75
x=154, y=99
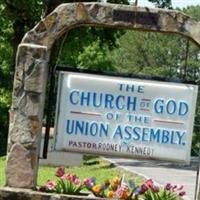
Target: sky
x=175, y=3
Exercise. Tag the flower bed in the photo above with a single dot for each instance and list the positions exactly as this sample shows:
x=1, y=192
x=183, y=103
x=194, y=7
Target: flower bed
x=118, y=188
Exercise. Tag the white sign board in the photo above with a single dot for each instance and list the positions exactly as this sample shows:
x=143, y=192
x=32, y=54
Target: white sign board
x=125, y=117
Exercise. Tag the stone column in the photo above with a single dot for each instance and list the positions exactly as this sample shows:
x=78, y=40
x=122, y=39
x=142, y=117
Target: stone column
x=26, y=115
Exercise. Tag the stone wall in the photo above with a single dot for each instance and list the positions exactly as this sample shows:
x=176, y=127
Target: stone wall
x=32, y=70
x=26, y=194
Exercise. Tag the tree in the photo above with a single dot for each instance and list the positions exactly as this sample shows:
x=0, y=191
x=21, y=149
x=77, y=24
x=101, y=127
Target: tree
x=5, y=76
x=155, y=54
x=24, y=14
x=89, y=47
x=162, y=3
x=85, y=47
x=149, y=53
x=19, y=16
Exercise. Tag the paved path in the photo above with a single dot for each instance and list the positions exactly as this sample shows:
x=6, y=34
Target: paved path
x=163, y=172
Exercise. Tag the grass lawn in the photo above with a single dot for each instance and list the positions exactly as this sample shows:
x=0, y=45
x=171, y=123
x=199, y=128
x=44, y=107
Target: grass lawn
x=2, y=172
x=91, y=167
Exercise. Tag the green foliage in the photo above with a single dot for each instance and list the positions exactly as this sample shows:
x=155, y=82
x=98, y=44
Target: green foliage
x=28, y=11
x=162, y=195
x=100, y=169
x=194, y=72
x=196, y=138
x=155, y=54
x=94, y=56
x=193, y=11
x=88, y=47
x=95, y=48
x=19, y=16
x=6, y=32
x=2, y=171
x=162, y=3
x=4, y=106
x=6, y=75
x=67, y=187
x=158, y=55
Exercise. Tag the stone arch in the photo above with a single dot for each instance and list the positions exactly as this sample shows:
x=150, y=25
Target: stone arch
x=32, y=69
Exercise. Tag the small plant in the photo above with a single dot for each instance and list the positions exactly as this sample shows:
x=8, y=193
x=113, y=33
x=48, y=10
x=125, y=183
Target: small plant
x=97, y=189
x=150, y=191
x=121, y=190
x=117, y=188
x=65, y=184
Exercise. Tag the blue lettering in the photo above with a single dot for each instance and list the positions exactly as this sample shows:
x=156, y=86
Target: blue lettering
x=145, y=134
x=104, y=130
x=183, y=108
x=131, y=103
x=158, y=106
x=136, y=133
x=155, y=135
x=121, y=86
x=93, y=129
x=171, y=107
x=173, y=137
x=140, y=89
x=109, y=100
x=85, y=98
x=118, y=102
x=180, y=137
x=95, y=102
x=118, y=132
x=165, y=136
x=74, y=97
x=130, y=88
x=69, y=129
x=79, y=127
x=86, y=128
x=128, y=132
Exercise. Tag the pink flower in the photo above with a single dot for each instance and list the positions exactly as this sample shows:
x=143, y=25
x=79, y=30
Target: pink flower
x=60, y=172
x=155, y=188
x=168, y=186
x=88, y=182
x=180, y=187
x=182, y=194
x=70, y=177
x=149, y=183
x=174, y=188
x=73, y=178
x=77, y=181
x=66, y=177
x=51, y=185
x=143, y=188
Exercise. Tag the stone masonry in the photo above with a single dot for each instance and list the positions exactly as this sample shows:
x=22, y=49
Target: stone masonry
x=27, y=194
x=32, y=70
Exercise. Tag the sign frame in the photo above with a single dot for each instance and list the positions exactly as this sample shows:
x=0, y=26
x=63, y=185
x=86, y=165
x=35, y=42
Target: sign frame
x=61, y=70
